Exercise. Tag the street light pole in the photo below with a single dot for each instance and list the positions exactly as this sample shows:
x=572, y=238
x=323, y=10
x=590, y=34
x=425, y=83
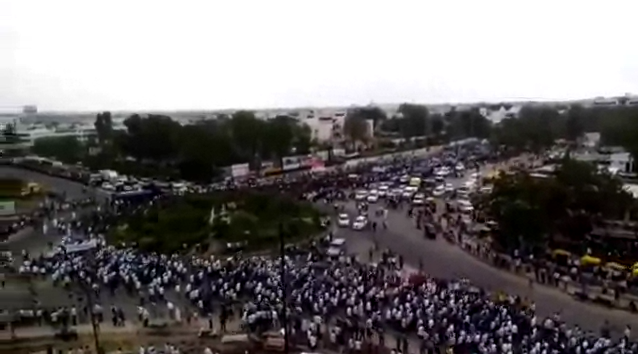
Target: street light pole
x=284, y=288
x=86, y=289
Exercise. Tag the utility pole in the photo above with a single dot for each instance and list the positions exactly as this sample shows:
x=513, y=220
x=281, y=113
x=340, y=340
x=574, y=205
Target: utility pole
x=88, y=292
x=284, y=288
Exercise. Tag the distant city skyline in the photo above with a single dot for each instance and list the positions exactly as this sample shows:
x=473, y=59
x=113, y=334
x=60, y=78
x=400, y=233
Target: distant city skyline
x=78, y=56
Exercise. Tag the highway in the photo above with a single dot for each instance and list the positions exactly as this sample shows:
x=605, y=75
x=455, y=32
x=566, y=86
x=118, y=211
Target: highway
x=443, y=260
x=440, y=259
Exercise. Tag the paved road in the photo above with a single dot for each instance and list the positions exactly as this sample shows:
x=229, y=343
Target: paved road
x=442, y=259
x=73, y=189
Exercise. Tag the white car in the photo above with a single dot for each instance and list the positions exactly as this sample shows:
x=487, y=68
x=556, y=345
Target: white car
x=409, y=191
x=343, y=220
x=465, y=206
x=360, y=223
x=361, y=195
x=439, y=191
x=404, y=179
x=108, y=186
x=419, y=198
x=486, y=190
x=459, y=167
x=382, y=191
x=373, y=196
x=448, y=188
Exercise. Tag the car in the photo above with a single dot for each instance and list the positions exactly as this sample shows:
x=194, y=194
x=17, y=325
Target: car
x=448, y=188
x=465, y=206
x=404, y=179
x=360, y=223
x=409, y=191
x=419, y=199
x=459, y=167
x=383, y=191
x=373, y=196
x=338, y=243
x=439, y=191
x=486, y=190
x=343, y=220
x=360, y=195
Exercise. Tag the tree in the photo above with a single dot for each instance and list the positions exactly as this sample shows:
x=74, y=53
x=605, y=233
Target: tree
x=575, y=127
x=254, y=217
x=620, y=129
x=152, y=139
x=356, y=126
x=278, y=137
x=247, y=132
x=66, y=149
x=103, y=127
x=414, y=120
x=468, y=124
x=517, y=205
x=530, y=211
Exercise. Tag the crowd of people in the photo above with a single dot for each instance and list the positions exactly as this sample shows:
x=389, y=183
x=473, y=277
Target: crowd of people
x=343, y=303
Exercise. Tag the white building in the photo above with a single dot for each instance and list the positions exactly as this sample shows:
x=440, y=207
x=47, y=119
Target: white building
x=496, y=116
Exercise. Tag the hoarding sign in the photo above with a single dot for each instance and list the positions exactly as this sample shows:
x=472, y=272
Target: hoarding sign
x=7, y=208
x=240, y=170
x=291, y=163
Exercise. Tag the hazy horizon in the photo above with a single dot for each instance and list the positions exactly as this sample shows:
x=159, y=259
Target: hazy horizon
x=198, y=56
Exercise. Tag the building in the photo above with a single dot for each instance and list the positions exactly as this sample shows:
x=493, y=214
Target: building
x=12, y=142
x=495, y=116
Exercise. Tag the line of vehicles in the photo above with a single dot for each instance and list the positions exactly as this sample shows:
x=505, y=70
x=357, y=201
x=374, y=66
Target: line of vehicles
x=419, y=192
x=111, y=181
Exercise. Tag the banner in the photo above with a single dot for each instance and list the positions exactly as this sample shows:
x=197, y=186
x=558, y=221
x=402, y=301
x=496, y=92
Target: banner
x=290, y=163
x=323, y=155
x=240, y=170
x=7, y=208
x=339, y=152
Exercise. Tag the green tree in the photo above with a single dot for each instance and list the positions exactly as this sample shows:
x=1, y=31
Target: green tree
x=619, y=128
x=66, y=149
x=468, y=124
x=247, y=132
x=414, y=120
x=356, y=127
x=155, y=138
x=530, y=211
x=575, y=126
x=104, y=127
x=278, y=137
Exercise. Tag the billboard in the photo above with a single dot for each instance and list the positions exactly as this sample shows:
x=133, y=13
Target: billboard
x=290, y=163
x=240, y=170
x=7, y=208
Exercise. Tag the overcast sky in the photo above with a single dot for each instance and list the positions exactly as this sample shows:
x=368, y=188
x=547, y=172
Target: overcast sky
x=170, y=55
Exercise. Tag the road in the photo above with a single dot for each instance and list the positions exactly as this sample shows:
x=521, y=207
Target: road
x=441, y=259
x=73, y=189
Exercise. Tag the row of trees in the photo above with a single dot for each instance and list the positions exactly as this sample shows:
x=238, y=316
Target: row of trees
x=539, y=127
x=250, y=218
x=197, y=151
x=532, y=211
x=193, y=151
x=534, y=128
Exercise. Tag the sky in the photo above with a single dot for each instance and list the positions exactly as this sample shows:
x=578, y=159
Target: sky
x=192, y=55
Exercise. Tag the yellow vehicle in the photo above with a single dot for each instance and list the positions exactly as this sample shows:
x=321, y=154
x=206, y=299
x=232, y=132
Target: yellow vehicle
x=415, y=182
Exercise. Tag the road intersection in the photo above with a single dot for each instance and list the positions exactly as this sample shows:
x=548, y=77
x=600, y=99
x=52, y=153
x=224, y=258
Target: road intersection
x=439, y=259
